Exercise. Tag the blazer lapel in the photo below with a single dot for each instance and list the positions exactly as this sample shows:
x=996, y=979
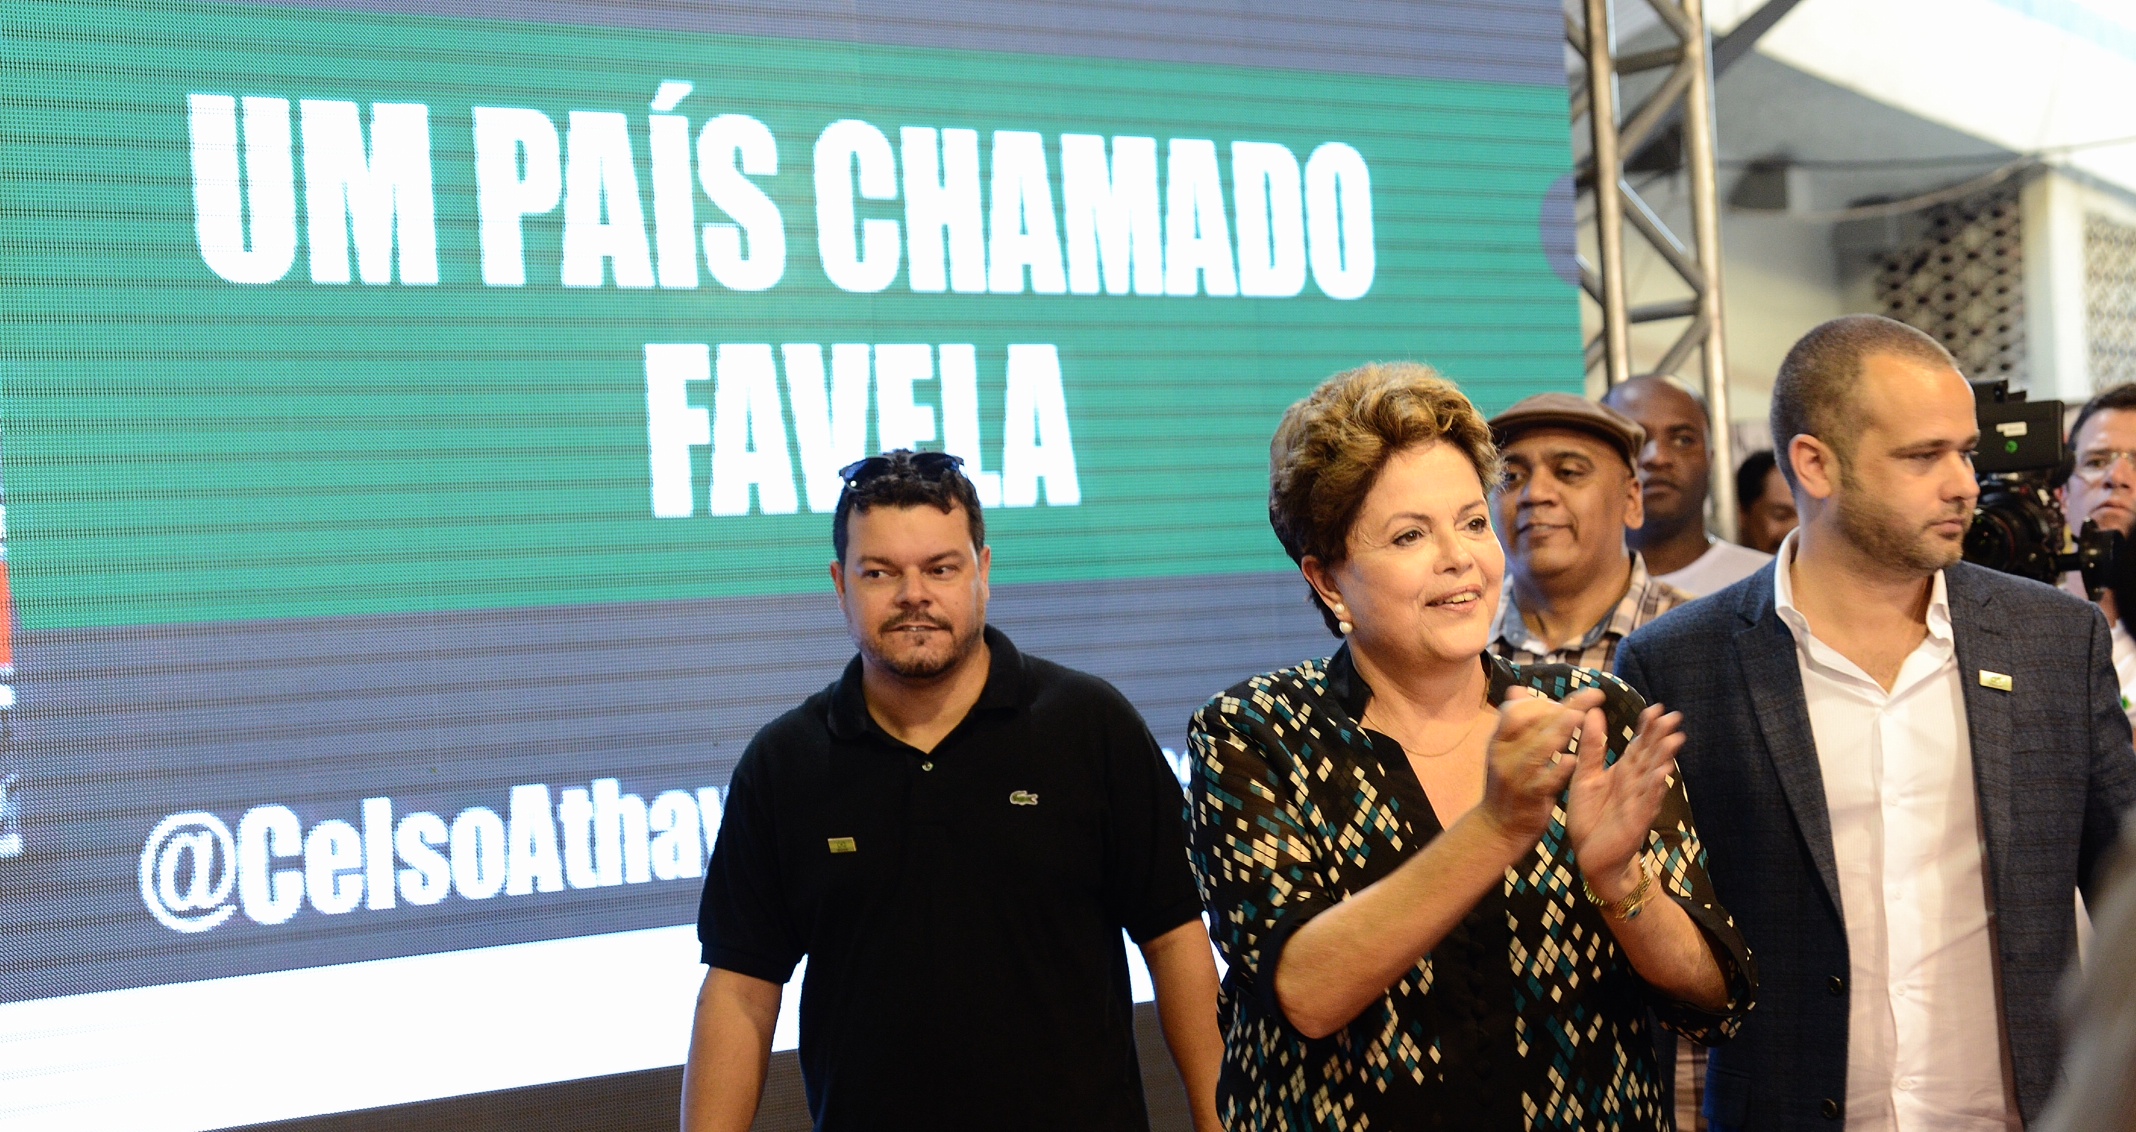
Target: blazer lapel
x=1980, y=649
x=1766, y=650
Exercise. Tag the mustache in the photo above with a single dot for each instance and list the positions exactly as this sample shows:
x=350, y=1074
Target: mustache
x=917, y=619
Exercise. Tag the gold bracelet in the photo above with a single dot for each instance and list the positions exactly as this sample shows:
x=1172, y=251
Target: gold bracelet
x=1627, y=908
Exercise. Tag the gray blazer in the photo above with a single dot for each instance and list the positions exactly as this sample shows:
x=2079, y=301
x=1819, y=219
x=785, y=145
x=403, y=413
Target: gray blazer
x=2053, y=765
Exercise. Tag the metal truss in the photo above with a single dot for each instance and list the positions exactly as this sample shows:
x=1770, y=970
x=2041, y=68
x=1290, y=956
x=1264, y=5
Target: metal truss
x=1681, y=105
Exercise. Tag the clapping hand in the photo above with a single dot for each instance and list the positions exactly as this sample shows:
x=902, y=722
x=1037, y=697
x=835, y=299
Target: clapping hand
x=1611, y=808
x=1527, y=766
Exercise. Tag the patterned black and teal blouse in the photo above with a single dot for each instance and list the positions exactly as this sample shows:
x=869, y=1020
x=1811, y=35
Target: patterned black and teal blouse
x=1525, y=1016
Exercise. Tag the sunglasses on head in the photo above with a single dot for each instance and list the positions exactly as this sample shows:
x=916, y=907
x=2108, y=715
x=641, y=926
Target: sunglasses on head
x=931, y=466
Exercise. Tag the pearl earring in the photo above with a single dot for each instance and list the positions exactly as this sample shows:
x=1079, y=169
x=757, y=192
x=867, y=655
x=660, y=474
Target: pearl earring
x=1343, y=627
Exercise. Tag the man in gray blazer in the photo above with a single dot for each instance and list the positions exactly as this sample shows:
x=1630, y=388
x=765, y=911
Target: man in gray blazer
x=1903, y=765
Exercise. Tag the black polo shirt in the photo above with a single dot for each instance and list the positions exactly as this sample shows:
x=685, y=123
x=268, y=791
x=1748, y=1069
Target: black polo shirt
x=961, y=909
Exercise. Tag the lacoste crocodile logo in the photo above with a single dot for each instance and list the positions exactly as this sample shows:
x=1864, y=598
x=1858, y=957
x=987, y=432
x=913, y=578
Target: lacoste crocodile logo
x=1022, y=798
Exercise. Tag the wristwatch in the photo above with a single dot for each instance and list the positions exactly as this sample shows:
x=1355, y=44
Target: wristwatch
x=1629, y=907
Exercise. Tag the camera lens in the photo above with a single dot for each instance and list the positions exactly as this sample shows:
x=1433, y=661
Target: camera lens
x=2014, y=530
x=1991, y=542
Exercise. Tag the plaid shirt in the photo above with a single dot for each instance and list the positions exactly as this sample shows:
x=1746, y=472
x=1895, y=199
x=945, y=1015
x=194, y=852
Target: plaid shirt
x=1646, y=598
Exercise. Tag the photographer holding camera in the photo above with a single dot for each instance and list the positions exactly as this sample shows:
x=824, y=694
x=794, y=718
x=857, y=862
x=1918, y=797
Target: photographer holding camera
x=2101, y=488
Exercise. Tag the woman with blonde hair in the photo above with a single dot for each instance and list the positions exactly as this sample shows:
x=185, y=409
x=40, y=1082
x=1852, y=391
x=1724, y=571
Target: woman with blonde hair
x=1452, y=891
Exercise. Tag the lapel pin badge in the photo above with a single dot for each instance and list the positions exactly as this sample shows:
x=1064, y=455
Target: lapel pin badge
x=842, y=845
x=1995, y=680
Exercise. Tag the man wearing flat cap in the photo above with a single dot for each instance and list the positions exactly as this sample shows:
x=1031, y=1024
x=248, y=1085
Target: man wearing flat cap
x=1573, y=588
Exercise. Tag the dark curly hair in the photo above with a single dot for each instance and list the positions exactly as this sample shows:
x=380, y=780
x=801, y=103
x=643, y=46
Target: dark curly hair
x=905, y=484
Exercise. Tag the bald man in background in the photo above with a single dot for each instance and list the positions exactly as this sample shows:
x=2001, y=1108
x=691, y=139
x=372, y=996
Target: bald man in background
x=1674, y=476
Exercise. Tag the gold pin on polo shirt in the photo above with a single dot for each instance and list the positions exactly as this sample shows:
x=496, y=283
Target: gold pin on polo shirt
x=1995, y=680
x=842, y=845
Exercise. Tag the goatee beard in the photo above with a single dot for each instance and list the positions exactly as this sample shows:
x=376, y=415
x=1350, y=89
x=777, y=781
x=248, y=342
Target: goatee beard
x=924, y=667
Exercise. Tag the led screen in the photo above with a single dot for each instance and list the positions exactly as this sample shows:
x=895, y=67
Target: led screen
x=421, y=423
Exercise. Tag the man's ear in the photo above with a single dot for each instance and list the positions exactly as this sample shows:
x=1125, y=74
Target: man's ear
x=838, y=579
x=1816, y=464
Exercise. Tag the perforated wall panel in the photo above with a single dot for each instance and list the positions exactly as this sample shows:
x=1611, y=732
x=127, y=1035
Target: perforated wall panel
x=1963, y=282
x=2110, y=299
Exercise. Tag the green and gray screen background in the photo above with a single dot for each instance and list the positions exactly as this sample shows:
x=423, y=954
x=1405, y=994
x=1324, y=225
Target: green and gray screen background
x=295, y=542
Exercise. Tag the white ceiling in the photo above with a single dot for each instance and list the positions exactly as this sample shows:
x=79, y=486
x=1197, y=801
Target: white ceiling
x=2030, y=76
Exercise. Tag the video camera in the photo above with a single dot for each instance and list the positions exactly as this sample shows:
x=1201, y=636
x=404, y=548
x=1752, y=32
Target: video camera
x=2017, y=528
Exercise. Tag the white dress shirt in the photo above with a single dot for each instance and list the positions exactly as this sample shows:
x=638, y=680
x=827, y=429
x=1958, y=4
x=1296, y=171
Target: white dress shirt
x=1723, y=565
x=1924, y=1039
x=2125, y=668
x=2124, y=648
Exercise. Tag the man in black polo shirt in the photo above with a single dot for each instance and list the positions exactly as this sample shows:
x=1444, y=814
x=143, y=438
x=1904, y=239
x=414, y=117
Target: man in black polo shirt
x=954, y=834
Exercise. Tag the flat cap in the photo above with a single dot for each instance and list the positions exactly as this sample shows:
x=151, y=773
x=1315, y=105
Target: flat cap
x=1567, y=410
